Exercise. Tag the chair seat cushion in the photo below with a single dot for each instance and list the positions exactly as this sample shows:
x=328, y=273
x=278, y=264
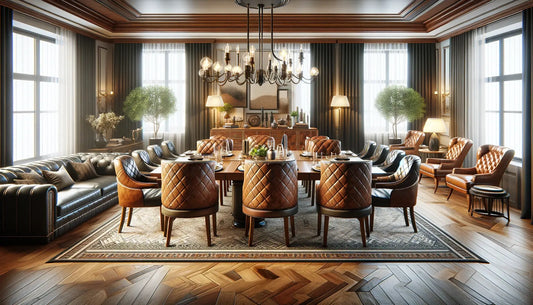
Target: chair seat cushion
x=381, y=197
x=460, y=180
x=71, y=199
x=152, y=197
x=106, y=184
x=433, y=170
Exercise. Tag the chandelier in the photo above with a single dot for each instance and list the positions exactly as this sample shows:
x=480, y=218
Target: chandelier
x=280, y=69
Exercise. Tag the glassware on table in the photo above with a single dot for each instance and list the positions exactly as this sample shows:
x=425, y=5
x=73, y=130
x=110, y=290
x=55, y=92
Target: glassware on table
x=333, y=155
x=280, y=152
x=316, y=157
x=270, y=144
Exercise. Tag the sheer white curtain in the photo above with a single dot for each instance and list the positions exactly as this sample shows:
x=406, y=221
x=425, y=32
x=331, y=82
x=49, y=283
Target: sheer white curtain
x=66, y=42
x=385, y=65
x=163, y=64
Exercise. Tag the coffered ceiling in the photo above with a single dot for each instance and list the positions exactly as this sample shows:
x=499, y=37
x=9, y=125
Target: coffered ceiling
x=299, y=19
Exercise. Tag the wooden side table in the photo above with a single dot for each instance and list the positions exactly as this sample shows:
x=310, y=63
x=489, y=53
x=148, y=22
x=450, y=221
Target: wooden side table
x=489, y=200
x=126, y=148
x=426, y=153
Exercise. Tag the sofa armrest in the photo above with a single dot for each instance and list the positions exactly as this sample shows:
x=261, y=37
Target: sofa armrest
x=438, y=160
x=465, y=171
x=28, y=212
x=490, y=179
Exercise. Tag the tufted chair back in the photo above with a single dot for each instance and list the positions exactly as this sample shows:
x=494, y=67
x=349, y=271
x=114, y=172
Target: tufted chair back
x=229, y=140
x=414, y=138
x=206, y=146
x=257, y=140
x=392, y=161
x=345, y=185
x=326, y=146
x=169, y=150
x=407, y=173
x=156, y=154
x=380, y=154
x=187, y=185
x=493, y=159
x=142, y=160
x=368, y=150
x=309, y=141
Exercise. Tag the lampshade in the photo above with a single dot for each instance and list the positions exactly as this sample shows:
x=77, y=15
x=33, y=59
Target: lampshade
x=214, y=101
x=436, y=125
x=340, y=101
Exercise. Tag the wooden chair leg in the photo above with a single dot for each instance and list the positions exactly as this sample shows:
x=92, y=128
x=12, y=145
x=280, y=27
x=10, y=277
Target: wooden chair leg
x=363, y=233
x=318, y=224
x=436, y=180
x=251, y=233
x=165, y=225
x=220, y=193
x=208, y=230
x=286, y=230
x=293, y=230
x=129, y=216
x=367, y=226
x=450, y=194
x=313, y=192
x=419, y=178
x=246, y=225
x=405, y=217
x=372, y=219
x=214, y=220
x=122, y=217
x=161, y=219
x=470, y=205
x=225, y=183
x=413, y=221
x=169, y=230
x=326, y=227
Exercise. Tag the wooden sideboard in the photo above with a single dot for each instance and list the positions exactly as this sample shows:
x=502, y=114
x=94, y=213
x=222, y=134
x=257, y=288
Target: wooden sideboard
x=125, y=148
x=296, y=136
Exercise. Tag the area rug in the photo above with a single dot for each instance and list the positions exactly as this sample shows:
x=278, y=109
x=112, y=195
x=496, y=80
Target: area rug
x=391, y=240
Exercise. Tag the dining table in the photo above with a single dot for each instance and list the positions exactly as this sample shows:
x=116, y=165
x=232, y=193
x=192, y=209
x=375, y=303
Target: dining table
x=231, y=169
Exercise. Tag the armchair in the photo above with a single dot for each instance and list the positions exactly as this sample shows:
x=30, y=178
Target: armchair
x=412, y=142
x=368, y=150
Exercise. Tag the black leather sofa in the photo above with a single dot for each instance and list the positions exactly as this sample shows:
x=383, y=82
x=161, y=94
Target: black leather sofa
x=38, y=213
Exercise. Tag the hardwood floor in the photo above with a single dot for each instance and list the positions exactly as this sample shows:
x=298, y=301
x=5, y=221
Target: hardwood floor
x=25, y=278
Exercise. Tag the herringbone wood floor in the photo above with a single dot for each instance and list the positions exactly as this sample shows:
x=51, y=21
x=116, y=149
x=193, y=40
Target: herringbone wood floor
x=507, y=279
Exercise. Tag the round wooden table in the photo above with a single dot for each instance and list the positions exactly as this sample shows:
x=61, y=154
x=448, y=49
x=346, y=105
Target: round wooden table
x=489, y=200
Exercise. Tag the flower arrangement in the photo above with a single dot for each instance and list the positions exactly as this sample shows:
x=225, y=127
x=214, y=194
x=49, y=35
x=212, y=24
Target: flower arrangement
x=104, y=121
x=259, y=151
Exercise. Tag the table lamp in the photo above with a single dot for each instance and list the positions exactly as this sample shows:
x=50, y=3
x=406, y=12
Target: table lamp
x=434, y=125
x=214, y=101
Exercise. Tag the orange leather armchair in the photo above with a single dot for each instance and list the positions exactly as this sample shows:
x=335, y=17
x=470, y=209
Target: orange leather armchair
x=491, y=162
x=207, y=146
x=438, y=168
x=412, y=142
x=257, y=140
x=228, y=140
x=135, y=190
x=326, y=146
x=309, y=141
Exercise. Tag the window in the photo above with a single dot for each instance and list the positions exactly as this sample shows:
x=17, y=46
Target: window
x=385, y=65
x=35, y=95
x=503, y=90
x=164, y=65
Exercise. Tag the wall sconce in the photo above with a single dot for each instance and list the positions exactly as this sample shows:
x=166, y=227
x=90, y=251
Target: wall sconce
x=102, y=95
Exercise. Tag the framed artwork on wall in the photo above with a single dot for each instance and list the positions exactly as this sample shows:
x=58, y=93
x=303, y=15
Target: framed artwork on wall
x=263, y=97
x=234, y=94
x=283, y=100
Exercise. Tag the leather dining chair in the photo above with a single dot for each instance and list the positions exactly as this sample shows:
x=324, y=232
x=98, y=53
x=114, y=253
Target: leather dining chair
x=229, y=141
x=326, y=147
x=491, y=162
x=188, y=190
x=270, y=190
x=142, y=160
x=412, y=142
x=438, y=168
x=156, y=154
x=256, y=140
x=368, y=150
x=344, y=191
x=135, y=190
x=398, y=190
x=391, y=163
x=380, y=155
x=207, y=146
x=169, y=150
x=308, y=141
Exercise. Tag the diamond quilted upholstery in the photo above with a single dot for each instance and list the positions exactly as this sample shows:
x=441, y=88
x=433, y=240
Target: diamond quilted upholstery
x=270, y=185
x=380, y=155
x=368, y=150
x=392, y=161
x=345, y=185
x=257, y=140
x=326, y=146
x=206, y=146
x=490, y=156
x=309, y=143
x=457, y=148
x=413, y=137
x=188, y=185
x=130, y=182
x=142, y=160
x=229, y=140
x=169, y=150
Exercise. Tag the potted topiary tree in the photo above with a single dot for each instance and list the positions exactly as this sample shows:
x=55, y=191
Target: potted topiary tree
x=398, y=104
x=153, y=103
x=226, y=109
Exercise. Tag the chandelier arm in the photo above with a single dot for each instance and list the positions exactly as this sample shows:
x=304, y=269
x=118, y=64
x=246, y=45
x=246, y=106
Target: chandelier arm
x=272, y=32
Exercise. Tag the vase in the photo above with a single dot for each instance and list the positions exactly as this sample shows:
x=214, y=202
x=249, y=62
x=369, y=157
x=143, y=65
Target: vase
x=100, y=141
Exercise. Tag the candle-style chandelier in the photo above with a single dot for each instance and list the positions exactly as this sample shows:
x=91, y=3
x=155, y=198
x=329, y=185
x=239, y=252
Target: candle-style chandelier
x=281, y=71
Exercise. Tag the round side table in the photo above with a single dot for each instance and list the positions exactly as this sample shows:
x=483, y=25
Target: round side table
x=426, y=153
x=489, y=200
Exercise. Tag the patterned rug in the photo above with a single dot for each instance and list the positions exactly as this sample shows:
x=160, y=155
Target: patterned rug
x=391, y=240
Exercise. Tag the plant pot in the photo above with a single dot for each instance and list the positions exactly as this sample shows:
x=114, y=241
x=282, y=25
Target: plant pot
x=395, y=141
x=155, y=141
x=100, y=141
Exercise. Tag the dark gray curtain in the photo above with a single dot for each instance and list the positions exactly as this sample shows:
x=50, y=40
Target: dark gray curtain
x=422, y=77
x=458, y=55
x=527, y=152
x=127, y=69
x=6, y=86
x=351, y=84
x=86, y=90
x=197, y=90
x=322, y=88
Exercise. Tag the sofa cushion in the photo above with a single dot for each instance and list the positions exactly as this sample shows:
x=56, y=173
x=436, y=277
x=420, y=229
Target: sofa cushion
x=61, y=179
x=82, y=171
x=71, y=199
x=106, y=184
x=32, y=176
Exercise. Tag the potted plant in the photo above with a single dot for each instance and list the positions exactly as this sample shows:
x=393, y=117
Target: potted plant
x=226, y=109
x=153, y=103
x=259, y=152
x=398, y=104
x=294, y=115
x=102, y=124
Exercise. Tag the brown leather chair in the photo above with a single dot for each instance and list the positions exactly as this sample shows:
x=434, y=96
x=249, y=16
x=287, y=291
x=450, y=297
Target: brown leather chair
x=257, y=140
x=207, y=146
x=326, y=146
x=228, y=140
x=135, y=190
x=438, y=168
x=398, y=190
x=156, y=154
x=169, y=150
x=391, y=163
x=344, y=191
x=308, y=144
x=270, y=190
x=412, y=142
x=368, y=150
x=142, y=160
x=491, y=162
x=380, y=155
x=188, y=189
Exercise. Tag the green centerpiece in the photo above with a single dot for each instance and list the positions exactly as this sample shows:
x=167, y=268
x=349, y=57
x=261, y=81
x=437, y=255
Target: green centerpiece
x=259, y=152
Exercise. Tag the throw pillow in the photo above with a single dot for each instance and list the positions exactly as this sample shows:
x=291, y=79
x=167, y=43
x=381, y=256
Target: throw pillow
x=33, y=177
x=82, y=171
x=61, y=179
x=24, y=181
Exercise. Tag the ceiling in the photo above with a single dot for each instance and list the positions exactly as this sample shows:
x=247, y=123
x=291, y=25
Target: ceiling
x=117, y=20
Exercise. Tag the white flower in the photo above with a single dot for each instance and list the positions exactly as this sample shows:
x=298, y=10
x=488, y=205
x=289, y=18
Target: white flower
x=104, y=121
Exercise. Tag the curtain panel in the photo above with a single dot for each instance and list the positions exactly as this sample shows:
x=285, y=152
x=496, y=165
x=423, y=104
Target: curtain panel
x=127, y=68
x=422, y=77
x=323, y=88
x=86, y=94
x=527, y=114
x=6, y=87
x=197, y=90
x=351, y=84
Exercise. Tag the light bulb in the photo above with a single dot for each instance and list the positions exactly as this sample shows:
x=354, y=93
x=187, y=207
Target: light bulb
x=289, y=68
x=246, y=59
x=227, y=68
x=227, y=48
x=298, y=69
x=201, y=72
x=283, y=54
x=206, y=63
x=314, y=71
x=237, y=70
x=252, y=51
x=217, y=67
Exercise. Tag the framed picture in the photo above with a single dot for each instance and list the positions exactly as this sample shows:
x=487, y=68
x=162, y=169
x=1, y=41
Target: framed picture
x=283, y=100
x=234, y=94
x=264, y=97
